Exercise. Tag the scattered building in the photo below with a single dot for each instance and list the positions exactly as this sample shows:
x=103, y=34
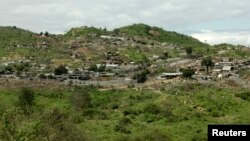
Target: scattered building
x=169, y=75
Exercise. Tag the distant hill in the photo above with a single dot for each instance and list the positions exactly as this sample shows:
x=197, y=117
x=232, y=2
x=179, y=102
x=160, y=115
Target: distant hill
x=16, y=42
x=10, y=36
x=139, y=30
x=158, y=34
x=84, y=31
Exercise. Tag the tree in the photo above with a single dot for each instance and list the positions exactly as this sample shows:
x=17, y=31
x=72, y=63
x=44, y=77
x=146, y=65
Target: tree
x=189, y=51
x=165, y=55
x=61, y=70
x=9, y=68
x=102, y=68
x=46, y=34
x=116, y=31
x=188, y=72
x=141, y=77
x=144, y=61
x=93, y=67
x=207, y=62
x=41, y=33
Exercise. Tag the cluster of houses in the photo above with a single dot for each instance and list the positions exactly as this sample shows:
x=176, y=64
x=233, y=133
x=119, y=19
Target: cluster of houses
x=118, y=71
x=224, y=67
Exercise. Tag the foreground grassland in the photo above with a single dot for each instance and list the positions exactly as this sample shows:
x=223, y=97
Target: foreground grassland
x=176, y=114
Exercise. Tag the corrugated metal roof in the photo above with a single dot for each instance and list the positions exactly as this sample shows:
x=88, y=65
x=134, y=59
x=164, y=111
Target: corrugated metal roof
x=227, y=68
x=172, y=74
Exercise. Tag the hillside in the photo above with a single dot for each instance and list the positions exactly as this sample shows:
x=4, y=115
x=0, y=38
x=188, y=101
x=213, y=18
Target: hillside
x=158, y=34
x=16, y=43
x=140, y=43
x=234, y=51
x=136, y=83
x=12, y=36
x=140, y=30
x=84, y=31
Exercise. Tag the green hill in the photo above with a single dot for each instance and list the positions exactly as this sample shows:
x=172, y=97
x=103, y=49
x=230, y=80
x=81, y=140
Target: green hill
x=234, y=51
x=160, y=35
x=16, y=42
x=84, y=31
x=12, y=36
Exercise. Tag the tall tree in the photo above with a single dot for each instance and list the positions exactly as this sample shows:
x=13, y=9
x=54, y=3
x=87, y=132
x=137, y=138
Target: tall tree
x=207, y=62
x=46, y=34
x=189, y=51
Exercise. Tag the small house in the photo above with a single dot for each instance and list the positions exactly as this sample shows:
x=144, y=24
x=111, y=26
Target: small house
x=227, y=68
x=169, y=75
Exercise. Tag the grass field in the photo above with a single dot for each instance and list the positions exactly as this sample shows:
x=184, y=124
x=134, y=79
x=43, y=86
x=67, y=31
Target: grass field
x=176, y=114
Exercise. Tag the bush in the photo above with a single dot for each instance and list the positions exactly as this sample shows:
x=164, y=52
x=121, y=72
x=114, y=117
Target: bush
x=154, y=135
x=26, y=99
x=141, y=77
x=232, y=83
x=188, y=72
x=123, y=125
x=189, y=50
x=61, y=70
x=152, y=109
x=131, y=111
x=167, y=111
x=81, y=99
x=93, y=67
x=56, y=127
x=114, y=106
x=244, y=95
x=8, y=129
x=95, y=114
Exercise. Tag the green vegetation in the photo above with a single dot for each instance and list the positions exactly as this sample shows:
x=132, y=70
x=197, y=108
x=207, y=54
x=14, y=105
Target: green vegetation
x=141, y=76
x=17, y=43
x=84, y=31
x=188, y=72
x=12, y=36
x=232, y=51
x=174, y=114
x=189, y=51
x=170, y=113
x=26, y=100
x=60, y=70
x=158, y=34
x=207, y=62
x=244, y=73
x=244, y=95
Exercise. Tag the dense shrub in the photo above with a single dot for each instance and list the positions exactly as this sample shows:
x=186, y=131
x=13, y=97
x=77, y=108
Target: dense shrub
x=61, y=70
x=141, y=76
x=154, y=135
x=55, y=126
x=152, y=108
x=25, y=99
x=167, y=111
x=81, y=99
x=131, y=111
x=92, y=113
x=8, y=128
x=188, y=72
x=244, y=95
x=123, y=125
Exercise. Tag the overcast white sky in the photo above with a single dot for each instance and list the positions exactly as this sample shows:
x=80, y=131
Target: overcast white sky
x=215, y=21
